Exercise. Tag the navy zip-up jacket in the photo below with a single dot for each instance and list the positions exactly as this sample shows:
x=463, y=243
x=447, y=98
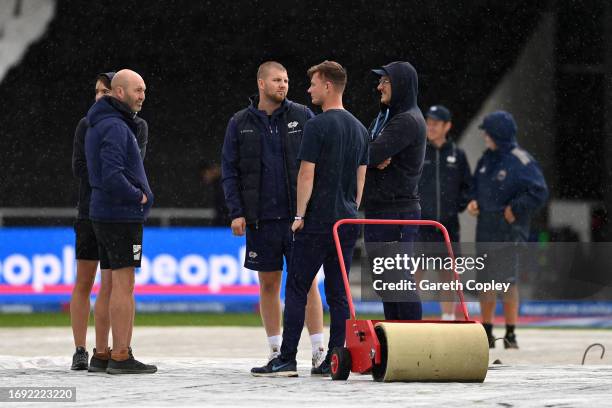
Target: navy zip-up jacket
x=116, y=171
x=277, y=158
x=445, y=184
x=79, y=163
x=399, y=132
x=506, y=176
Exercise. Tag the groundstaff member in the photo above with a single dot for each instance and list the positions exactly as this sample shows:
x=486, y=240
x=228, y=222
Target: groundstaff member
x=508, y=189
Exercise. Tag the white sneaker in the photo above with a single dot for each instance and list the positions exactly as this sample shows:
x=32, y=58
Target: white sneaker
x=318, y=357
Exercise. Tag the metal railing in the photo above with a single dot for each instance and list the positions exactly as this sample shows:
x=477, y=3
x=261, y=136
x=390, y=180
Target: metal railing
x=164, y=215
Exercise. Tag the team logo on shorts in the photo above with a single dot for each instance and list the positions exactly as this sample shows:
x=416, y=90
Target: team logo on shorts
x=137, y=250
x=291, y=125
x=252, y=254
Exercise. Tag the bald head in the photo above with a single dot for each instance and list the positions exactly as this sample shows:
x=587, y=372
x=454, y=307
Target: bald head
x=129, y=87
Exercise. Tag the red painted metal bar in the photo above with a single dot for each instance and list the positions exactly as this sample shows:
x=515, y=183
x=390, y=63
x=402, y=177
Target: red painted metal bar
x=360, y=221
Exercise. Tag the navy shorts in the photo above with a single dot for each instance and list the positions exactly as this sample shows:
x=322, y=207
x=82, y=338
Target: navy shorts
x=267, y=243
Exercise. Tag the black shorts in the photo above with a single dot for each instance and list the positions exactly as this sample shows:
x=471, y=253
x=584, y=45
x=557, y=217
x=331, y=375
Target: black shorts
x=267, y=242
x=502, y=263
x=119, y=244
x=86, y=242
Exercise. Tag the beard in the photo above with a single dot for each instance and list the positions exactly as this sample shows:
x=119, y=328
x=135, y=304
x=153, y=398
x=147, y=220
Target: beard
x=275, y=97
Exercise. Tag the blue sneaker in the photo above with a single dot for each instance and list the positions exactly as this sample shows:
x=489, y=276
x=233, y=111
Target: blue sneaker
x=276, y=368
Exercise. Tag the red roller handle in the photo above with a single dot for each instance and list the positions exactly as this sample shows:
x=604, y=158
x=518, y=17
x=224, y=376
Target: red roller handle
x=359, y=221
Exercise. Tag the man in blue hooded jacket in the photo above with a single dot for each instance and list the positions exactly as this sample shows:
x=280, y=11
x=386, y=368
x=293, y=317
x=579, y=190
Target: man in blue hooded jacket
x=397, y=151
x=508, y=189
x=87, y=250
x=120, y=202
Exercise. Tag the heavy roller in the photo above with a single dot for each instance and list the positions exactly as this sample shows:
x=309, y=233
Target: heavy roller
x=422, y=351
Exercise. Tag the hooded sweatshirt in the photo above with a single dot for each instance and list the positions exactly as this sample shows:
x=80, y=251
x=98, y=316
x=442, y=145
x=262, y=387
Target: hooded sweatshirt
x=399, y=133
x=116, y=172
x=79, y=164
x=507, y=175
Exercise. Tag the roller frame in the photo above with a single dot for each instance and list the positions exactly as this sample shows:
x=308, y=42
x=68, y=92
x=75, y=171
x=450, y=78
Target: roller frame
x=361, y=339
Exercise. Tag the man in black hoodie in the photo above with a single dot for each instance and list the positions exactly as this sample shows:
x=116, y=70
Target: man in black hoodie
x=87, y=248
x=397, y=151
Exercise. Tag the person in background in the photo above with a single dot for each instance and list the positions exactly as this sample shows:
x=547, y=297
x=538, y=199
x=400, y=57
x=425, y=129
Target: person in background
x=509, y=188
x=444, y=188
x=210, y=176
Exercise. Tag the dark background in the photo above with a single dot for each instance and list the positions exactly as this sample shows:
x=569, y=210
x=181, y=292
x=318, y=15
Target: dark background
x=199, y=60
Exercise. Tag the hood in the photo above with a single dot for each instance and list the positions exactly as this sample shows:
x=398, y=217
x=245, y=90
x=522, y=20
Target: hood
x=501, y=126
x=107, y=75
x=404, y=85
x=109, y=107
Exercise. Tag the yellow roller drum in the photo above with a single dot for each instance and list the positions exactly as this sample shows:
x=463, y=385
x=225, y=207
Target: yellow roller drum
x=457, y=352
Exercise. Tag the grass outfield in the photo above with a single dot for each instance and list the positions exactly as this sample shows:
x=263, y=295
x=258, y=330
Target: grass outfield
x=186, y=319
x=147, y=319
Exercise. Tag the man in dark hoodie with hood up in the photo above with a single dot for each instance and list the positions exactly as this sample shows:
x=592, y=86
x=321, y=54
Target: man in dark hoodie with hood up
x=120, y=202
x=397, y=151
x=508, y=189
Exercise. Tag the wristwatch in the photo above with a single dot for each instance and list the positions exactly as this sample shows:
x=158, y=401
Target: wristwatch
x=298, y=218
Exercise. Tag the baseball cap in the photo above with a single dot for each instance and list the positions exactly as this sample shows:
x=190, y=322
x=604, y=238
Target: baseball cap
x=439, y=112
x=380, y=71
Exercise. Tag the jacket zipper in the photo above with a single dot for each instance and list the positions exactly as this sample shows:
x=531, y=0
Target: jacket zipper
x=287, y=183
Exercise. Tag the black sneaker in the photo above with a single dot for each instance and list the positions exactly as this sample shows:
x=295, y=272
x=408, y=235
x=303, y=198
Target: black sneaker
x=276, y=368
x=491, y=340
x=510, y=341
x=79, y=359
x=323, y=370
x=489, y=331
x=129, y=366
x=97, y=365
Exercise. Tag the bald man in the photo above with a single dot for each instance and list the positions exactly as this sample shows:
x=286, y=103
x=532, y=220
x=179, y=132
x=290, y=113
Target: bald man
x=120, y=202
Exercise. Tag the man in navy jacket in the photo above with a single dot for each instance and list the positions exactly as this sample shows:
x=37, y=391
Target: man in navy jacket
x=508, y=189
x=259, y=175
x=397, y=150
x=87, y=250
x=120, y=202
x=444, y=186
x=333, y=156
